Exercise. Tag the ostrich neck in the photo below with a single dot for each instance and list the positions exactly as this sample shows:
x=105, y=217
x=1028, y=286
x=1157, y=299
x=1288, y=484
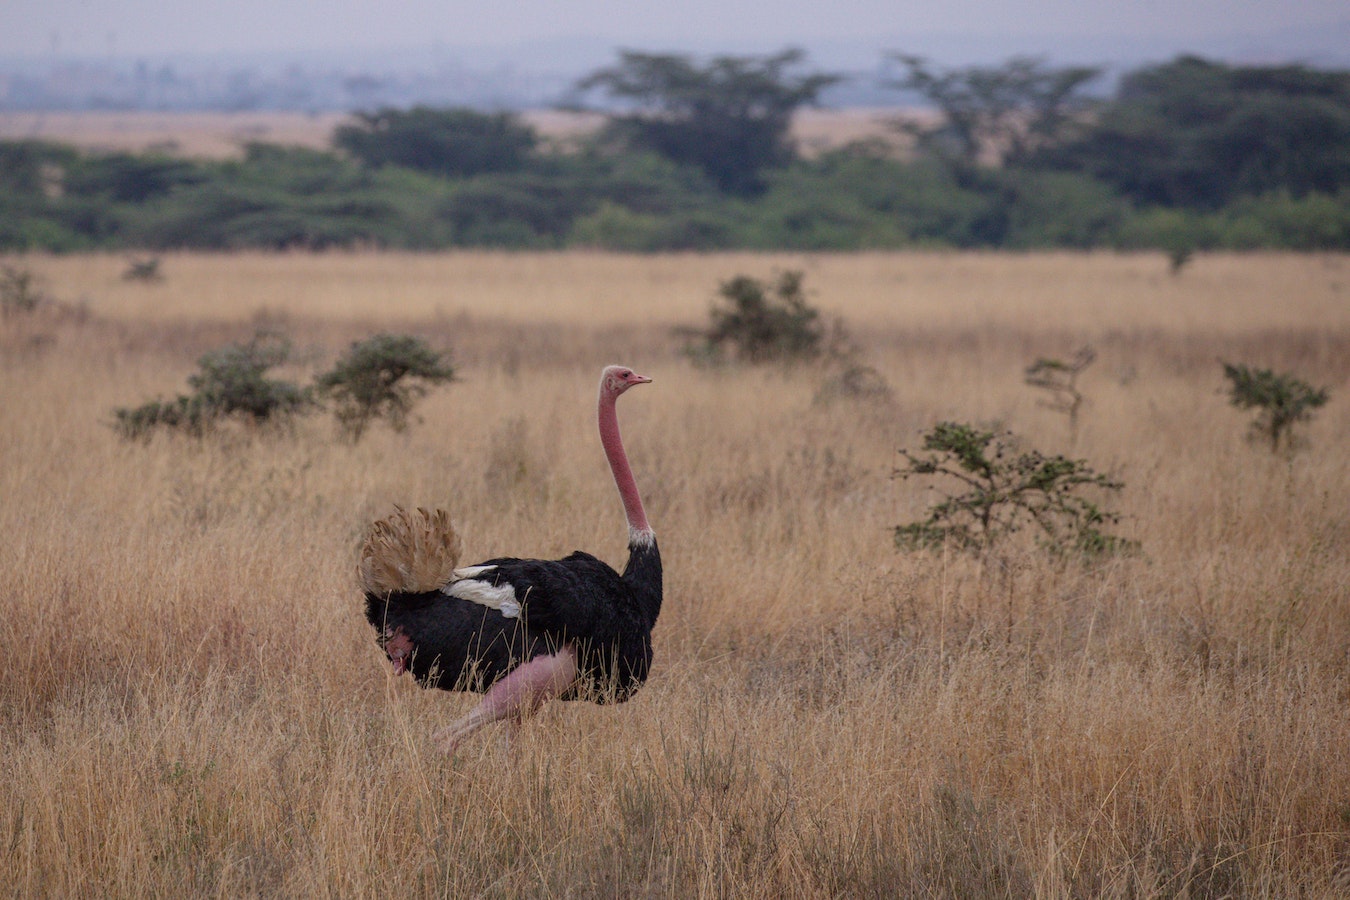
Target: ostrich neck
x=638, y=529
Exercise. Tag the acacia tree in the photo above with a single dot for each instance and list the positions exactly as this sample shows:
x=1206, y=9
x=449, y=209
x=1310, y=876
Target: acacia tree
x=1282, y=399
x=1006, y=112
x=382, y=377
x=729, y=118
x=1002, y=488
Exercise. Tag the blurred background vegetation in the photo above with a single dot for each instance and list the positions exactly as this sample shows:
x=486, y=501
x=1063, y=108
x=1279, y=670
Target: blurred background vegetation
x=1183, y=156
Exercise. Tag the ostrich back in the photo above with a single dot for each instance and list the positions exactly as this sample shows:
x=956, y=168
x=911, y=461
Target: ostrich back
x=579, y=600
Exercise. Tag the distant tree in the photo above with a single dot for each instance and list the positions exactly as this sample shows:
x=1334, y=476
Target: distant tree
x=729, y=118
x=1282, y=399
x=1003, y=113
x=1195, y=133
x=456, y=142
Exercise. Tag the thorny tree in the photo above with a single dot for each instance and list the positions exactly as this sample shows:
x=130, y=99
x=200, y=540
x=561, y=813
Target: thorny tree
x=1282, y=399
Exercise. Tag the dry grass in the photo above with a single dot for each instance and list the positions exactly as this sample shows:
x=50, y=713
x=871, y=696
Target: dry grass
x=224, y=135
x=191, y=701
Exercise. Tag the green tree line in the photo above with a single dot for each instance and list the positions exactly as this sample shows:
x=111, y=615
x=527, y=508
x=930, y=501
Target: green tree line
x=1185, y=155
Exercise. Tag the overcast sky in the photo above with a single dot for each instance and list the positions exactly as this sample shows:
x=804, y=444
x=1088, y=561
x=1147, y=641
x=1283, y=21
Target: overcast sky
x=130, y=28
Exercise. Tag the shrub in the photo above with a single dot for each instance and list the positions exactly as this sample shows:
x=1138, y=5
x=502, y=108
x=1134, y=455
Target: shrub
x=1282, y=399
x=19, y=291
x=854, y=381
x=231, y=382
x=146, y=269
x=1002, y=490
x=765, y=321
x=380, y=378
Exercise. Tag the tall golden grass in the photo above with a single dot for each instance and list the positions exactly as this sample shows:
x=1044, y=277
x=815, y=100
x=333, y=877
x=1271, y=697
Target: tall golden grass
x=191, y=701
x=225, y=135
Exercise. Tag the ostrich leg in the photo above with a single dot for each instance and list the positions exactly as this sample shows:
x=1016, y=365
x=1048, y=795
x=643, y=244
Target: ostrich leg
x=516, y=696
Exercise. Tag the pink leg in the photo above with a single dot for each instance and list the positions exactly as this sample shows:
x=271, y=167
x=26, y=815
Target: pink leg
x=517, y=695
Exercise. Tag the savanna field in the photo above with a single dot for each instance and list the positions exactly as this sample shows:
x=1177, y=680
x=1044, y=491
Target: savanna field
x=192, y=704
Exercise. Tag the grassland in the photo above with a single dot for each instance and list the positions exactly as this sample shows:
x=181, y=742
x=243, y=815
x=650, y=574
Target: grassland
x=224, y=135
x=191, y=702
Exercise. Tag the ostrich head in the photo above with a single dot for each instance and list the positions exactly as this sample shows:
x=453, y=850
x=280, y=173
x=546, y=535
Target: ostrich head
x=617, y=379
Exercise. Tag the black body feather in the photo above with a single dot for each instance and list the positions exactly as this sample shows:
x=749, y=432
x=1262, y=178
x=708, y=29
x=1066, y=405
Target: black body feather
x=579, y=601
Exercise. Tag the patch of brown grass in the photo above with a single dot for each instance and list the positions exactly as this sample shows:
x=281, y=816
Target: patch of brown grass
x=191, y=699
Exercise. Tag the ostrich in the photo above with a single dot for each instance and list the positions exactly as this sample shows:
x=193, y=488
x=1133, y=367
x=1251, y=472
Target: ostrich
x=519, y=631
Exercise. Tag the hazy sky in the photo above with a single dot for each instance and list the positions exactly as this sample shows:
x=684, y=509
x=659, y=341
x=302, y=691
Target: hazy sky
x=128, y=28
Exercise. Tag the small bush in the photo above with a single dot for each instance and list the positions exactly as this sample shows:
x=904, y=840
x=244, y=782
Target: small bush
x=143, y=270
x=380, y=378
x=231, y=382
x=19, y=291
x=764, y=322
x=1282, y=399
x=1002, y=490
x=854, y=381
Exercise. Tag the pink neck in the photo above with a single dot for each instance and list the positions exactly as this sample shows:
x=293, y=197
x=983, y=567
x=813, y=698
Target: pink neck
x=618, y=464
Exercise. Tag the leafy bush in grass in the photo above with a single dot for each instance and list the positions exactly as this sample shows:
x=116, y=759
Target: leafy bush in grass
x=230, y=382
x=381, y=378
x=1001, y=489
x=1282, y=400
x=764, y=321
x=19, y=291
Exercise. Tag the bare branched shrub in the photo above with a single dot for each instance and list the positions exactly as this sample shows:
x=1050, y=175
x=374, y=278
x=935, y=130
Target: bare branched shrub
x=1060, y=380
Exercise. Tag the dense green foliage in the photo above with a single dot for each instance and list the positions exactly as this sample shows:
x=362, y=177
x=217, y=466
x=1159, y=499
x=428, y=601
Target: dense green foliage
x=1281, y=400
x=453, y=142
x=1200, y=135
x=381, y=378
x=1002, y=489
x=1189, y=155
